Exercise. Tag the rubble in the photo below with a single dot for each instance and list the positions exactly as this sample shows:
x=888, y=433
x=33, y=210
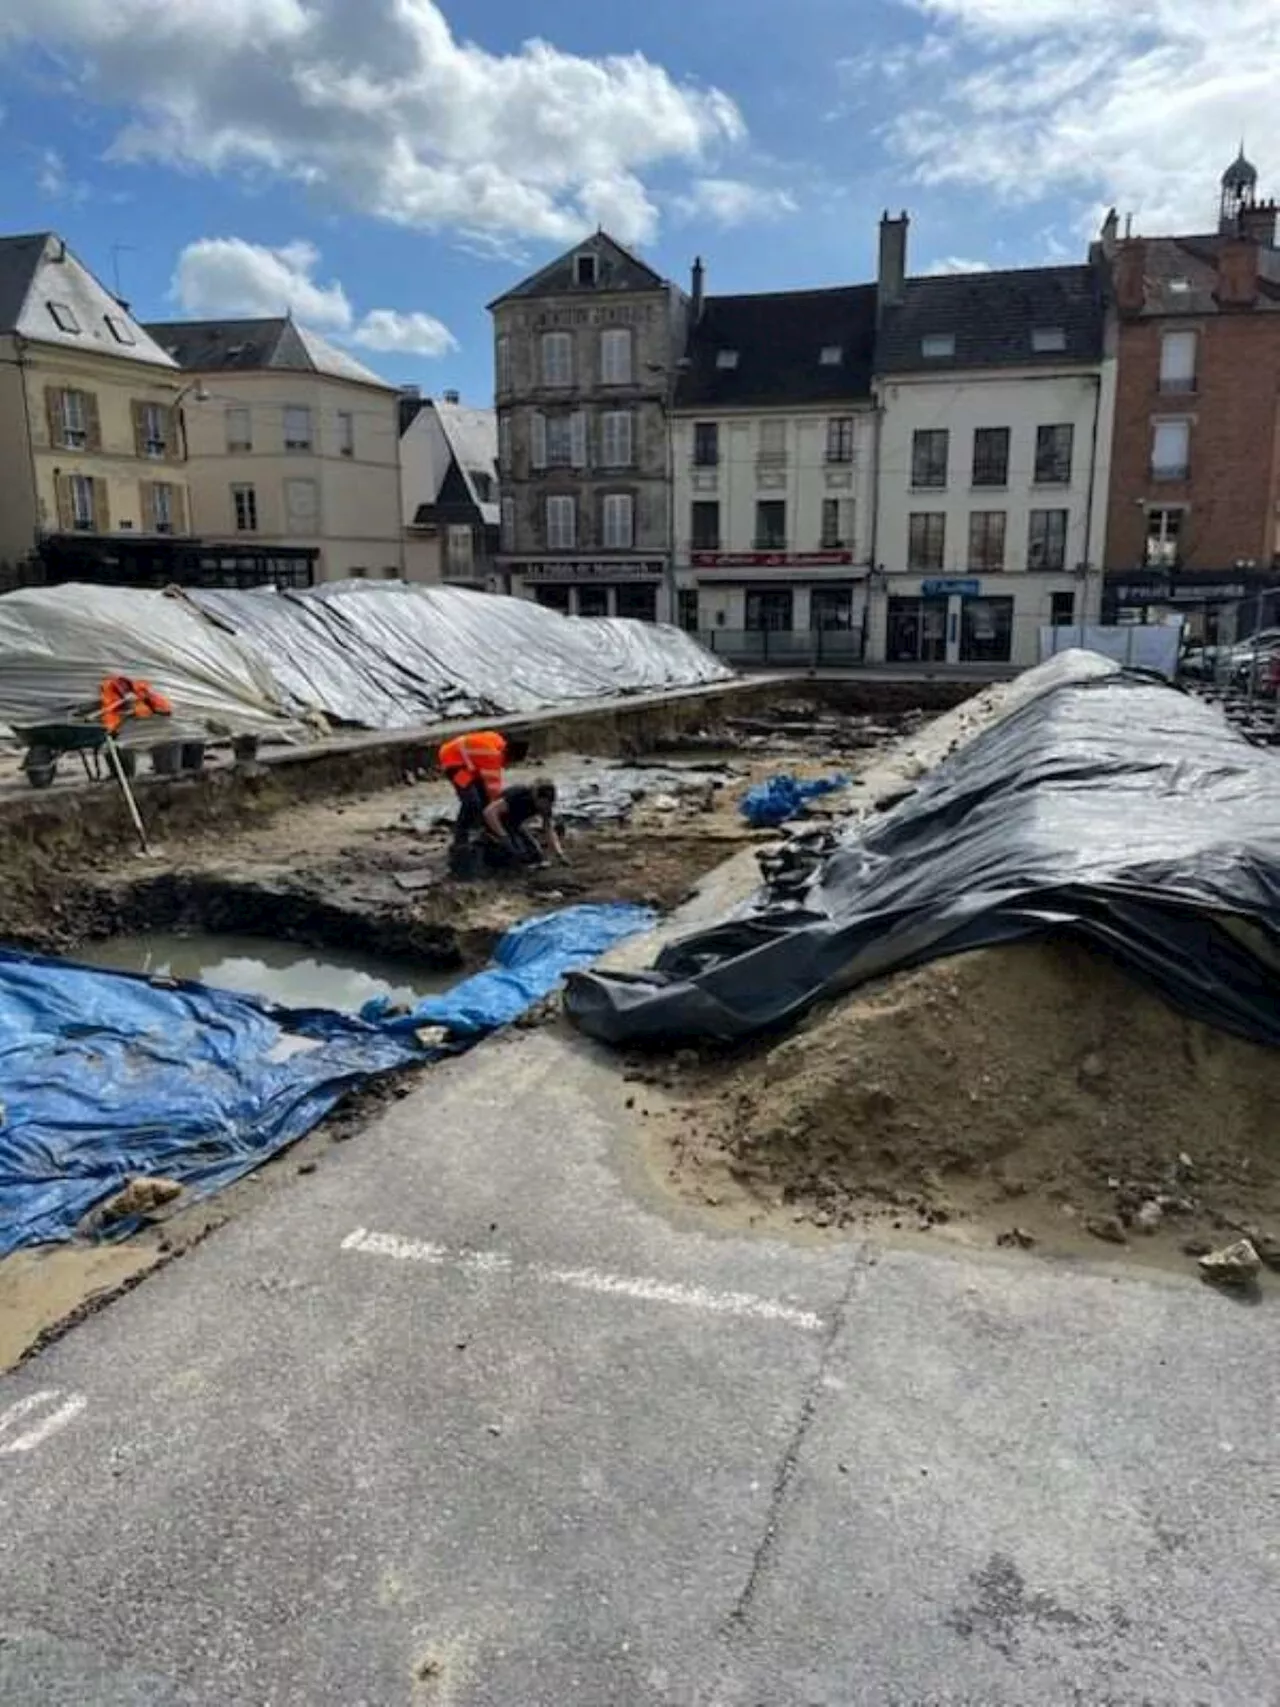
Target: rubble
x=1235, y=1265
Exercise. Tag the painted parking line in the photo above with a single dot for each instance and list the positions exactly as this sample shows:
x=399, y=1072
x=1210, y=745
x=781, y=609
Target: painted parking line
x=641, y=1288
x=29, y=1422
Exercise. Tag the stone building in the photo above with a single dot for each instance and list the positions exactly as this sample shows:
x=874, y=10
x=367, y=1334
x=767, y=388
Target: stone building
x=1194, y=515
x=586, y=354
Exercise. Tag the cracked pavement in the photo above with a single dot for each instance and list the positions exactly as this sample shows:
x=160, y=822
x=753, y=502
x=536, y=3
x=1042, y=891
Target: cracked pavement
x=474, y=1418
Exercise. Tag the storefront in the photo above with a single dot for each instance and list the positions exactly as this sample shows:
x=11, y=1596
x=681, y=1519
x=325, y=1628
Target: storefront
x=1217, y=606
x=593, y=587
x=755, y=604
x=950, y=622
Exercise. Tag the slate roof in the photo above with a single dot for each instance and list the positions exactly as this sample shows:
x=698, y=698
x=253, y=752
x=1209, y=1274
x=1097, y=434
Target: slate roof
x=1180, y=275
x=38, y=269
x=240, y=346
x=617, y=269
x=779, y=338
x=991, y=317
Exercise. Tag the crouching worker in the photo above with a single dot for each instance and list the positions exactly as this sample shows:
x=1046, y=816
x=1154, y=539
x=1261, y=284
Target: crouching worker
x=476, y=766
x=512, y=817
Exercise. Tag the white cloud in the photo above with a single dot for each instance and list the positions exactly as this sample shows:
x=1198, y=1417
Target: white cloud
x=730, y=201
x=955, y=264
x=382, y=107
x=219, y=276
x=1137, y=102
x=407, y=334
x=52, y=180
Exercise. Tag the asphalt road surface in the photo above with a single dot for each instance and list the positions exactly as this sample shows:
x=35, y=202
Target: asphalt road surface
x=467, y=1420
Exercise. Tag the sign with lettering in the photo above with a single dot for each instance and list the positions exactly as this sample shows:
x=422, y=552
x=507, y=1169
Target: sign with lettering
x=579, y=569
x=943, y=587
x=769, y=559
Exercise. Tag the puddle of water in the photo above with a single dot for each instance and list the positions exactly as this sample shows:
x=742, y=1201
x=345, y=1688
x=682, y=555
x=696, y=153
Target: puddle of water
x=283, y=972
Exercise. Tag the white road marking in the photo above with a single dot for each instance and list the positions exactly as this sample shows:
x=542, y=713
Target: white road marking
x=641, y=1288
x=39, y=1427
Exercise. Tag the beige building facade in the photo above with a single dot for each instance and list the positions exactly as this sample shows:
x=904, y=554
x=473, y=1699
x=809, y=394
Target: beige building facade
x=291, y=442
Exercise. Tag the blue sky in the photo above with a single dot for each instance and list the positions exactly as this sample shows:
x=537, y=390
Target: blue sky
x=385, y=167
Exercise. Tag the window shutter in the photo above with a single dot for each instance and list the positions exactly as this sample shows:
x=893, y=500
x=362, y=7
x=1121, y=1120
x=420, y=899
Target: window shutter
x=578, y=439
x=173, y=437
x=179, y=508
x=138, y=410
x=92, y=422
x=101, y=514
x=62, y=487
x=53, y=410
x=147, y=495
x=539, y=441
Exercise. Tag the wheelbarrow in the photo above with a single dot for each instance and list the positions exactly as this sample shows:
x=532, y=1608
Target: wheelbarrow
x=47, y=743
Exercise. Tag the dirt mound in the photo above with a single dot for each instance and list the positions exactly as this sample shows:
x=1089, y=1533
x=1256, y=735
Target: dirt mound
x=1034, y=1086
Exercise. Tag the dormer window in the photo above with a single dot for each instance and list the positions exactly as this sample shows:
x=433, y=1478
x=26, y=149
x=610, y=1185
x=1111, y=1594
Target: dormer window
x=1179, y=286
x=586, y=269
x=726, y=358
x=832, y=355
x=1047, y=339
x=937, y=346
x=63, y=317
x=119, y=329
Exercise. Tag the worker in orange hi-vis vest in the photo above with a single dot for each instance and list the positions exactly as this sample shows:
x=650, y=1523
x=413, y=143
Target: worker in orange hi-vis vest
x=476, y=766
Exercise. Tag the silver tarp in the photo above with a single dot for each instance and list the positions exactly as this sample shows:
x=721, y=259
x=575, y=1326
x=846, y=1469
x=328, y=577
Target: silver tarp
x=370, y=655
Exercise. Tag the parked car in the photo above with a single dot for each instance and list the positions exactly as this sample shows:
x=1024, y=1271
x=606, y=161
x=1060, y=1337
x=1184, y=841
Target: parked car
x=1255, y=663
x=1205, y=663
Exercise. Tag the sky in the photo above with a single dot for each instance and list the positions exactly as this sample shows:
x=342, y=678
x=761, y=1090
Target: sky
x=384, y=168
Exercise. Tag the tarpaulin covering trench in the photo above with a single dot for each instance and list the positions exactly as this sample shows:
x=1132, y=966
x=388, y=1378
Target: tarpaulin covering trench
x=105, y=1076
x=372, y=655
x=1104, y=805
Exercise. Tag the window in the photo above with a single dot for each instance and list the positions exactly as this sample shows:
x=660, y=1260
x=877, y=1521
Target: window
x=297, y=427
x=616, y=521
x=986, y=540
x=769, y=608
x=502, y=362
x=640, y=603
x=508, y=526
x=82, y=505
x=1047, y=540
x=1062, y=610
x=1178, y=361
x=929, y=451
x=459, y=553
x=938, y=346
x=559, y=442
x=504, y=446
x=302, y=506
x=926, y=540
x=1053, y=455
x=239, y=429
x=70, y=425
x=771, y=525
x=706, y=444
x=585, y=269
x=63, y=317
x=1170, y=450
x=615, y=356
x=346, y=433
x=831, y=608
x=615, y=439
x=726, y=358
x=991, y=456
x=705, y=525
x=245, y=502
x=152, y=424
x=1164, y=538
x=561, y=524
x=162, y=508
x=593, y=601
x=557, y=358
x=837, y=524
x=554, y=598
x=831, y=355
x=986, y=631
x=1045, y=340
x=773, y=441
x=840, y=438
x=482, y=484
x=687, y=609
x=120, y=329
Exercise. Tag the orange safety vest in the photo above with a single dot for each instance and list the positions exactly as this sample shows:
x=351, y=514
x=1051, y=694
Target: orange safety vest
x=480, y=757
x=120, y=697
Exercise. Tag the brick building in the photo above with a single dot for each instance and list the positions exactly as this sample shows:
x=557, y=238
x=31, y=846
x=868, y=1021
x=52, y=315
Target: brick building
x=1195, y=473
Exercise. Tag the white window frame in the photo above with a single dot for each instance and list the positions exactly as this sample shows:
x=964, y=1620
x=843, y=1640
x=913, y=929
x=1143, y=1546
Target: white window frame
x=296, y=522
x=460, y=555
x=842, y=540
x=1167, y=542
x=1048, y=340
x=773, y=441
x=82, y=505
x=119, y=329
x=244, y=507
x=561, y=513
x=1177, y=374
x=559, y=441
x=295, y=414
x=1167, y=465
x=556, y=356
x=64, y=318
x=162, y=506
x=615, y=355
x=155, y=445
x=938, y=346
x=346, y=433
x=75, y=431
x=236, y=445
x=617, y=439
x=617, y=521
x=840, y=439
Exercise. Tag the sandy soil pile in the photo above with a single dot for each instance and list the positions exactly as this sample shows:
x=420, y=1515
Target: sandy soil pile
x=1033, y=1087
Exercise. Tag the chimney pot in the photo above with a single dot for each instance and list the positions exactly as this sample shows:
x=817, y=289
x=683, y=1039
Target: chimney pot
x=1130, y=275
x=891, y=280
x=698, y=281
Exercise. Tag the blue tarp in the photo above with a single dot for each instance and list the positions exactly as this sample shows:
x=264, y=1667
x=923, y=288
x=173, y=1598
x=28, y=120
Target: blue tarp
x=104, y=1075
x=772, y=802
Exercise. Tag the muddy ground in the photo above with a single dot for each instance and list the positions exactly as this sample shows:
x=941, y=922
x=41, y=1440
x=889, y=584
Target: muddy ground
x=368, y=871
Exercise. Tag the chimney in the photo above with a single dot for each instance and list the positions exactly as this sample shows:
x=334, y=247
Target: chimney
x=1130, y=275
x=892, y=277
x=1258, y=223
x=699, y=278
x=452, y=397
x=1237, y=272
x=1110, y=233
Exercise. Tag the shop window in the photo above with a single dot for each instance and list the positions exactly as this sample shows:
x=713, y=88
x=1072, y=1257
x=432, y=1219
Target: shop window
x=1062, y=610
x=986, y=631
x=769, y=609
x=687, y=609
x=639, y=602
x=831, y=608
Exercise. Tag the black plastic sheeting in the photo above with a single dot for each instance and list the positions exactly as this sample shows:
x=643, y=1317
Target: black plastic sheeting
x=1105, y=806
